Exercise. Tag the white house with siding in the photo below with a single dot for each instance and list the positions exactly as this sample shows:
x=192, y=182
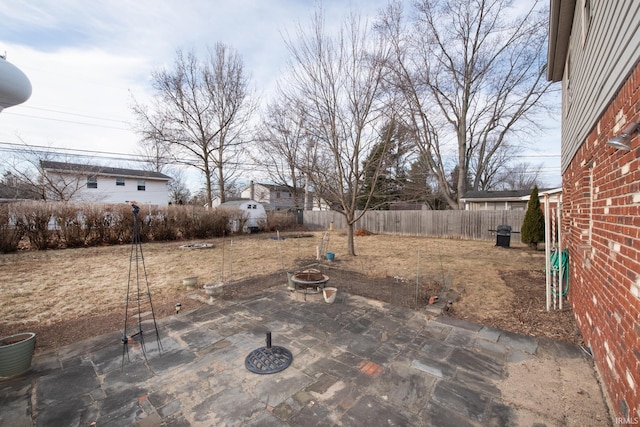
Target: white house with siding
x=594, y=51
x=507, y=200
x=102, y=184
x=495, y=200
x=279, y=197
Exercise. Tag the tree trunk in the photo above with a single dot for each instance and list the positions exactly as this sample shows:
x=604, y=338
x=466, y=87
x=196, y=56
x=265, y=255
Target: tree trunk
x=208, y=188
x=351, y=248
x=221, y=184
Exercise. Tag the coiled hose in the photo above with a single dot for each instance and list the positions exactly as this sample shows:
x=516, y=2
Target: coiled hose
x=556, y=264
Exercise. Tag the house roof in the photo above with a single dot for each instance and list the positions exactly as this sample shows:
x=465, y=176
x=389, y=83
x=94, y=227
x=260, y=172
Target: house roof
x=504, y=196
x=236, y=203
x=495, y=195
x=560, y=25
x=272, y=187
x=101, y=170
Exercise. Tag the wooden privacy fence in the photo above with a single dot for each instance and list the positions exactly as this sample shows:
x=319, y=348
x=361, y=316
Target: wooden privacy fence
x=471, y=225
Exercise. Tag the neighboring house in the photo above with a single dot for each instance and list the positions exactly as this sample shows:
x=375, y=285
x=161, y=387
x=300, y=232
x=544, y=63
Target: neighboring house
x=594, y=50
x=253, y=212
x=495, y=200
x=87, y=183
x=279, y=197
x=508, y=200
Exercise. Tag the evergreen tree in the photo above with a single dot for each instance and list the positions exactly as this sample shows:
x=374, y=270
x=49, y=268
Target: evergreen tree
x=532, y=231
x=385, y=174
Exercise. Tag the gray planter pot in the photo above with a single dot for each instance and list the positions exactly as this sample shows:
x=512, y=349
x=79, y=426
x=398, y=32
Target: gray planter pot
x=16, y=352
x=190, y=282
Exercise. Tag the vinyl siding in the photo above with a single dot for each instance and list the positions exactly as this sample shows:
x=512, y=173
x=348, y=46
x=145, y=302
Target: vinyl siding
x=155, y=193
x=599, y=65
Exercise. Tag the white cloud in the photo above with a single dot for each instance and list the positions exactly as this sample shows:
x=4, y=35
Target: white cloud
x=86, y=57
x=80, y=99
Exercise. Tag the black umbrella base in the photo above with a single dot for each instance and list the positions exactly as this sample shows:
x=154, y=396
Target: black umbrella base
x=269, y=359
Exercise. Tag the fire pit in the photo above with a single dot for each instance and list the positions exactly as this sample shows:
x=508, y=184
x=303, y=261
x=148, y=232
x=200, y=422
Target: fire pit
x=309, y=279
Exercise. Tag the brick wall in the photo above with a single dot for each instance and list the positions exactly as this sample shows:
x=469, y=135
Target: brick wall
x=601, y=225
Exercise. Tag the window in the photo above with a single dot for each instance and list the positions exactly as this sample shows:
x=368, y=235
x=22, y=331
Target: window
x=120, y=182
x=92, y=182
x=141, y=185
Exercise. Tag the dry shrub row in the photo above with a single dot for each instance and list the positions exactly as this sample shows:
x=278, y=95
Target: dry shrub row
x=279, y=221
x=49, y=225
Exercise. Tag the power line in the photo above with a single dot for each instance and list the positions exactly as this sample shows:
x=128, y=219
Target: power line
x=537, y=155
x=106, y=155
x=10, y=146
x=76, y=114
x=66, y=121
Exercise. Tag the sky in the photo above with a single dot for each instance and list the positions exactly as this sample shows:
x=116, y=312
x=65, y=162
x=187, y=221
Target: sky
x=87, y=60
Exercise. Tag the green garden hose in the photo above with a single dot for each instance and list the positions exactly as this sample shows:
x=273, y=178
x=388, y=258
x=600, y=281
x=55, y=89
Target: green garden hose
x=556, y=264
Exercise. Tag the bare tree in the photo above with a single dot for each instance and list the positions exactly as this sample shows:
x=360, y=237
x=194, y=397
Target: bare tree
x=179, y=193
x=489, y=177
x=521, y=176
x=15, y=186
x=338, y=82
x=27, y=178
x=501, y=173
x=281, y=147
x=470, y=78
x=200, y=109
x=156, y=154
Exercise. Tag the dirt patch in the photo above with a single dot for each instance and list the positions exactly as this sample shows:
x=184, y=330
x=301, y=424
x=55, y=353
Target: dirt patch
x=393, y=290
x=570, y=397
x=526, y=312
x=70, y=295
x=523, y=316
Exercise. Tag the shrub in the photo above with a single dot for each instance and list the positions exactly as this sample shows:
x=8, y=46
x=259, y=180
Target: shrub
x=163, y=224
x=219, y=223
x=53, y=224
x=236, y=218
x=532, y=231
x=279, y=220
x=35, y=217
x=96, y=224
x=70, y=225
x=11, y=228
x=196, y=222
x=121, y=219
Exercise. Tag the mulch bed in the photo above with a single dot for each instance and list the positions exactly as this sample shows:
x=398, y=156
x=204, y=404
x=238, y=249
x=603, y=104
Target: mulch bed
x=526, y=315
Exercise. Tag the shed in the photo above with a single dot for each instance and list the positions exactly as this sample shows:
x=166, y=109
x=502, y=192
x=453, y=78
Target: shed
x=253, y=214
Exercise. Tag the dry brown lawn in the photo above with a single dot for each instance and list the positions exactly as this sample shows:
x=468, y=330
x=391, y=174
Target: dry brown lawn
x=65, y=290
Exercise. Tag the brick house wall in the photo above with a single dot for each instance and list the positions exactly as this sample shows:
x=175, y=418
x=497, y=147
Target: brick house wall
x=601, y=228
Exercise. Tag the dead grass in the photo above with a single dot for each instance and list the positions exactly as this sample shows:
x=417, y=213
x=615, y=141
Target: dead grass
x=52, y=286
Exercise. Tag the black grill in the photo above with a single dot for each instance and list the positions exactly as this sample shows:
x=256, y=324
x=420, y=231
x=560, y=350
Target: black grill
x=269, y=359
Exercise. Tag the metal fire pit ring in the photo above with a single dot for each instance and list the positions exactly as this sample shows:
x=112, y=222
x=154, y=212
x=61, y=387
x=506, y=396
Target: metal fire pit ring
x=269, y=359
x=311, y=281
